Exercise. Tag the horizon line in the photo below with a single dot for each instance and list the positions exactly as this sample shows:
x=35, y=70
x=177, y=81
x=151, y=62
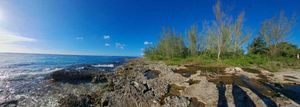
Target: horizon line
x=66, y=54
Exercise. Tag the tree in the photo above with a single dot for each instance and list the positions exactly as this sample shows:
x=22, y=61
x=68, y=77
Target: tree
x=239, y=36
x=220, y=31
x=275, y=30
x=258, y=46
x=171, y=45
x=229, y=36
x=287, y=49
x=192, y=35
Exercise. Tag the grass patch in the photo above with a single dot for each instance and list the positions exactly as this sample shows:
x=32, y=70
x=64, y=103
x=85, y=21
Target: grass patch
x=270, y=63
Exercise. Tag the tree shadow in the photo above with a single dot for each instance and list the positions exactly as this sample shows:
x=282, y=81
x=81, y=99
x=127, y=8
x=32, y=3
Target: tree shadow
x=222, y=102
x=241, y=99
x=265, y=99
x=291, y=92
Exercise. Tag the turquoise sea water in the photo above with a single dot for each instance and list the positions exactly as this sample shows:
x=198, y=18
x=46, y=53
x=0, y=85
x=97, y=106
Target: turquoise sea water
x=14, y=64
x=25, y=77
x=39, y=62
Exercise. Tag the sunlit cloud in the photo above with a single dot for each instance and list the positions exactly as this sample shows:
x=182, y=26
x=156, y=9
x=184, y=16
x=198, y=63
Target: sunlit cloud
x=148, y=43
x=9, y=38
x=107, y=44
x=106, y=37
x=79, y=38
x=2, y=15
x=119, y=45
x=10, y=42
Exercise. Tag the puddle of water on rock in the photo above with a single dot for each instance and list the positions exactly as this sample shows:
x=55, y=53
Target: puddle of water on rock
x=185, y=72
x=151, y=74
x=192, y=81
x=204, y=70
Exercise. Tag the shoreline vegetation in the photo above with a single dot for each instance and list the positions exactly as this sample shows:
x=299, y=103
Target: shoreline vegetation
x=225, y=41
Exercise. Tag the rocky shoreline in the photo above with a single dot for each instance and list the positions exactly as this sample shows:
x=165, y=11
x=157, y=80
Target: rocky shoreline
x=142, y=83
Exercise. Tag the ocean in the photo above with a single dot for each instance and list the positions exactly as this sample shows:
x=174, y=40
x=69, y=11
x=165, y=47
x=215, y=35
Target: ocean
x=25, y=75
x=12, y=64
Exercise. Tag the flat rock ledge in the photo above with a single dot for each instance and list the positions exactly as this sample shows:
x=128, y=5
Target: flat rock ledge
x=141, y=83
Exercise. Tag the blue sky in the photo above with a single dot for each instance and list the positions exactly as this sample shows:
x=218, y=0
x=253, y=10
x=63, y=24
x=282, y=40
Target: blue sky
x=116, y=27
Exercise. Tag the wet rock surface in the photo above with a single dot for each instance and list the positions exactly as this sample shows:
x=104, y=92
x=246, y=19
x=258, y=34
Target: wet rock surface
x=84, y=74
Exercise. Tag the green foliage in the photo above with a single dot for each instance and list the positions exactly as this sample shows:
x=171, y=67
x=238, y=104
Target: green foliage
x=225, y=34
x=258, y=46
x=170, y=46
x=287, y=49
x=192, y=34
x=246, y=60
x=261, y=61
x=275, y=30
x=153, y=53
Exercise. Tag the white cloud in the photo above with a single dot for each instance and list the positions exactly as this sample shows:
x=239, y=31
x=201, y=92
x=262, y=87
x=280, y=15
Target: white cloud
x=10, y=42
x=106, y=44
x=79, y=38
x=119, y=45
x=148, y=43
x=106, y=37
x=9, y=38
x=3, y=15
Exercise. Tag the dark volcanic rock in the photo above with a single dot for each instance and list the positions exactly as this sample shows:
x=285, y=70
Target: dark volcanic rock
x=151, y=74
x=10, y=103
x=86, y=100
x=78, y=76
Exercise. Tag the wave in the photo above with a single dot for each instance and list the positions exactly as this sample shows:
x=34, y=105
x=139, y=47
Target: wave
x=27, y=75
x=103, y=65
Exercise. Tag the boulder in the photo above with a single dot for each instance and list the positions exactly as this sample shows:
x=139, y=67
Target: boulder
x=176, y=101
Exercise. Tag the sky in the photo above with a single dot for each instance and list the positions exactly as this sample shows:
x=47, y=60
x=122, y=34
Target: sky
x=117, y=27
